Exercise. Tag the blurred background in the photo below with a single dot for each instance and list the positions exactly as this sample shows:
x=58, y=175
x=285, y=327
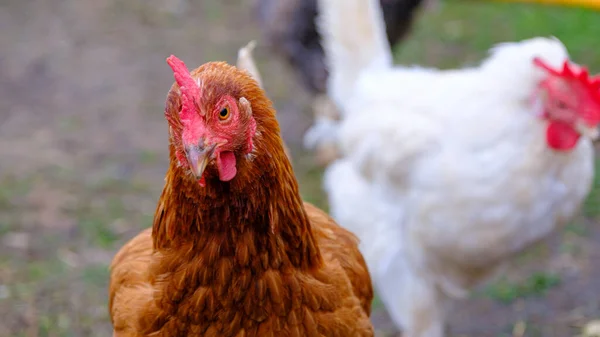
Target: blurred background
x=83, y=148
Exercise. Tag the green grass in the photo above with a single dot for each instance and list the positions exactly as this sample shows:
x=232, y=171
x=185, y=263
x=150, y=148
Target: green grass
x=536, y=284
x=12, y=190
x=97, y=233
x=377, y=303
x=591, y=207
x=95, y=274
x=462, y=32
x=312, y=188
x=148, y=157
x=576, y=228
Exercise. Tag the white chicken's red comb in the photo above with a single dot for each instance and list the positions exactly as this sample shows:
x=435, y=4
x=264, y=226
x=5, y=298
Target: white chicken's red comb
x=591, y=84
x=190, y=91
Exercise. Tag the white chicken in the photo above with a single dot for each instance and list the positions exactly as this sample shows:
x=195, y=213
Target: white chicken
x=444, y=174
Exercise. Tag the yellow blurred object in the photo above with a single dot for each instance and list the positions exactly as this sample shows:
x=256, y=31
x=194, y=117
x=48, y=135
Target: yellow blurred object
x=593, y=4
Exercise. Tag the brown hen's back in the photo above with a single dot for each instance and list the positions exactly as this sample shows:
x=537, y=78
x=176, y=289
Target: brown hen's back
x=239, y=258
x=338, y=245
x=129, y=288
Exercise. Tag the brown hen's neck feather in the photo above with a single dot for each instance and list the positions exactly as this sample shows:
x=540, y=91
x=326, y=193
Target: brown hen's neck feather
x=258, y=216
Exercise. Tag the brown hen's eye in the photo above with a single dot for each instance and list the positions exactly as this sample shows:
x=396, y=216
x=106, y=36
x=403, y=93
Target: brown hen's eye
x=224, y=114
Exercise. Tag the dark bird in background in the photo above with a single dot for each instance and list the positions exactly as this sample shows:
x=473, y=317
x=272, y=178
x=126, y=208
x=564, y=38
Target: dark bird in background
x=290, y=30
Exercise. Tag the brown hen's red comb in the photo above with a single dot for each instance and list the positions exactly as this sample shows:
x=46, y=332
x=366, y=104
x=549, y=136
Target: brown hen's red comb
x=190, y=91
x=591, y=84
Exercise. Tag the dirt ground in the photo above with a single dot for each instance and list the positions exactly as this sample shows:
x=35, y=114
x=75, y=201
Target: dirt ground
x=83, y=148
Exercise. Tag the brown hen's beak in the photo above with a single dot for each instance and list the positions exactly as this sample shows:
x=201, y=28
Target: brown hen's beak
x=198, y=157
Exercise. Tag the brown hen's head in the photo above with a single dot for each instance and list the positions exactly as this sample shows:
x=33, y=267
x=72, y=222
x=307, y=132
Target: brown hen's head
x=571, y=104
x=212, y=123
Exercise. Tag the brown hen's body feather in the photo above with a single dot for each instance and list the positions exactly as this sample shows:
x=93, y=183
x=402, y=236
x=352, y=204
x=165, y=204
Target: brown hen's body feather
x=240, y=258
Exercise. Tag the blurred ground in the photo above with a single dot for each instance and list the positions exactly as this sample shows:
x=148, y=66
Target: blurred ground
x=83, y=151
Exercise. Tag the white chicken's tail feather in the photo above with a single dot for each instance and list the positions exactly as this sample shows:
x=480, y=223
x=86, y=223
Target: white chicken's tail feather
x=354, y=39
x=245, y=61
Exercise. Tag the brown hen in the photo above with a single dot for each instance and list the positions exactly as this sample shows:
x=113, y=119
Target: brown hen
x=233, y=250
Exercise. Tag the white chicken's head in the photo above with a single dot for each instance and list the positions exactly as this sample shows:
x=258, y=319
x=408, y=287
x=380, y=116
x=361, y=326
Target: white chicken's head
x=570, y=102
